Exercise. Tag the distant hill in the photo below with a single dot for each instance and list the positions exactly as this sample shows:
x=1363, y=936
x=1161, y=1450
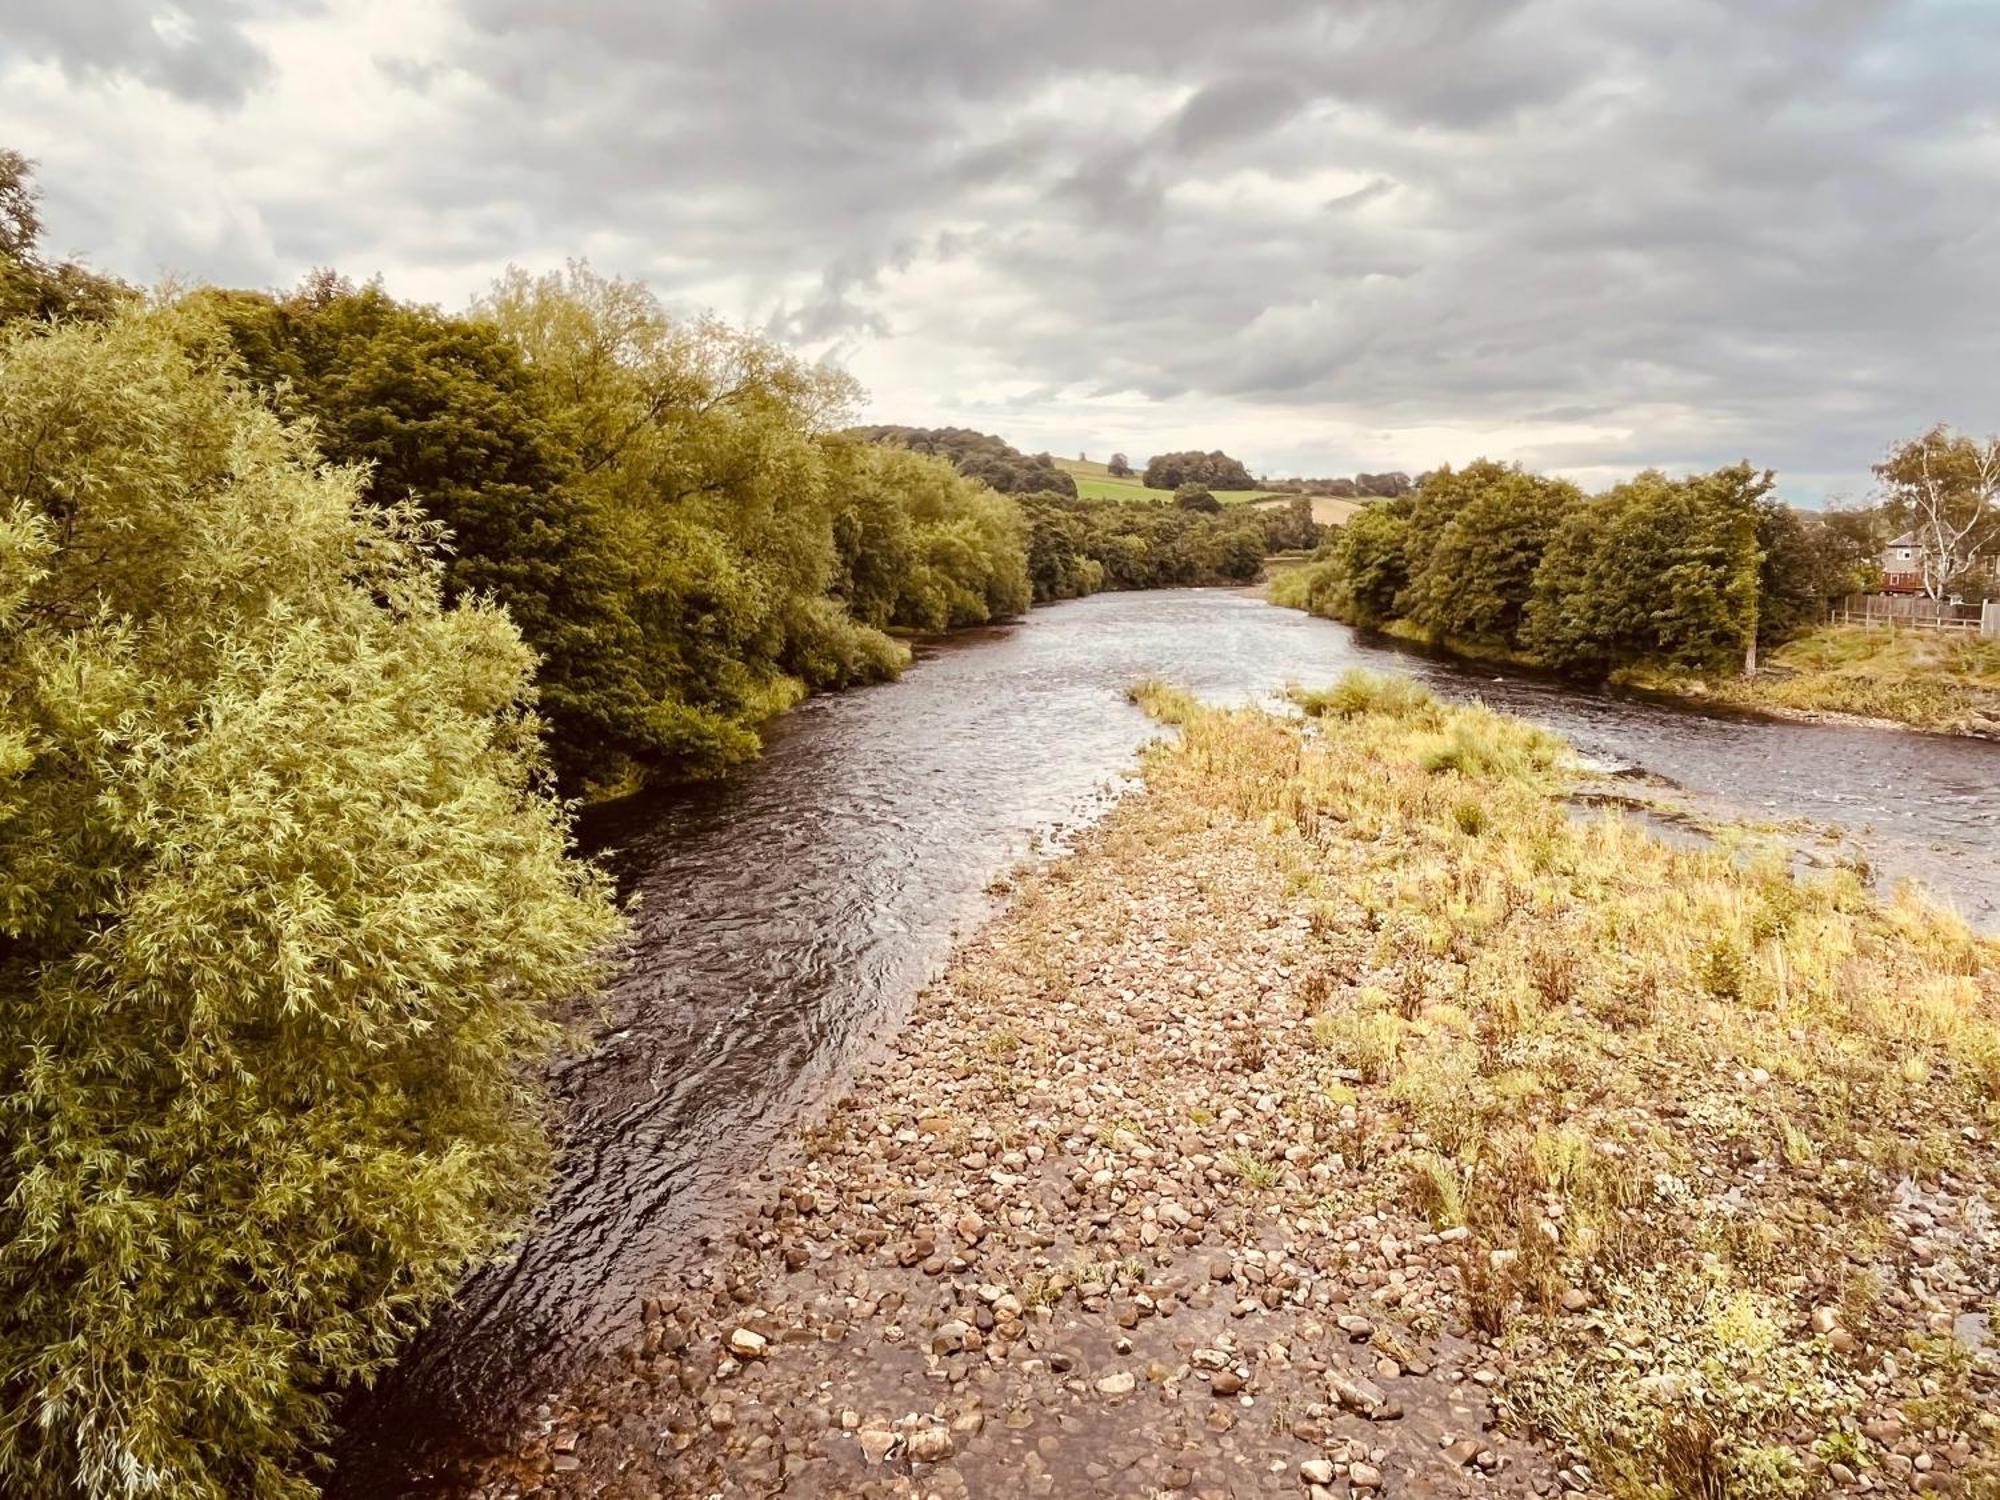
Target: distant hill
x=1095, y=481
x=979, y=455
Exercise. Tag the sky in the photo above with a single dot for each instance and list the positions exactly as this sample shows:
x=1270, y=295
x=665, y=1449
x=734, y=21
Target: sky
x=1380, y=234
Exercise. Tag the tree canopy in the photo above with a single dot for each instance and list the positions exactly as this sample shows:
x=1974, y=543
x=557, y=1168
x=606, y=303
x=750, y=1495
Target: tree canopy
x=1213, y=471
x=981, y=456
x=284, y=910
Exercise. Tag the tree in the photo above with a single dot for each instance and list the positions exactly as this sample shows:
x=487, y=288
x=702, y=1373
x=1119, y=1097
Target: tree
x=1476, y=540
x=1944, y=487
x=981, y=456
x=31, y=287
x=1120, y=466
x=1290, y=526
x=1806, y=560
x=1214, y=470
x=1383, y=486
x=444, y=411
x=1195, y=497
x=285, y=911
x=1654, y=570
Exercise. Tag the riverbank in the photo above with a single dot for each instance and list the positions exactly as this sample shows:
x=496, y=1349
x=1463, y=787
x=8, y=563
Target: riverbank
x=1344, y=1112
x=1932, y=680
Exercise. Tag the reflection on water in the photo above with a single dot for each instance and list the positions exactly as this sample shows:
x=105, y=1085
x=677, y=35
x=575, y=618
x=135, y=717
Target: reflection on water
x=789, y=914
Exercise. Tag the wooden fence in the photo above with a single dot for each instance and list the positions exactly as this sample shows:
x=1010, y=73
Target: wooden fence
x=1906, y=612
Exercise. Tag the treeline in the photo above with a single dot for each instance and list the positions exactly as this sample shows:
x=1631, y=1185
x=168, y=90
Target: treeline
x=667, y=510
x=1688, y=573
x=1358, y=487
x=979, y=455
x=1080, y=546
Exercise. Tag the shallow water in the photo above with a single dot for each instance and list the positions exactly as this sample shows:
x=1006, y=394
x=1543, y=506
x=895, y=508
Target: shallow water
x=789, y=914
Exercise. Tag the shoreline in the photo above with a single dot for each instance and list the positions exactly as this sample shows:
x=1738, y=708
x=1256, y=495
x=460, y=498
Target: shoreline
x=1736, y=696
x=1132, y=1206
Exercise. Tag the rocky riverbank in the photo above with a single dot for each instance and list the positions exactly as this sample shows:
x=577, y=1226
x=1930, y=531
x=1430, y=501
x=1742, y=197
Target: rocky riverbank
x=1344, y=1118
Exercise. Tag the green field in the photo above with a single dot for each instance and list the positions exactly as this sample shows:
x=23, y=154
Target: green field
x=1094, y=482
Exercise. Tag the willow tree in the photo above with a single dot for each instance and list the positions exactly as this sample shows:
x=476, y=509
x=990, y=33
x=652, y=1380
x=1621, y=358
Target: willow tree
x=284, y=910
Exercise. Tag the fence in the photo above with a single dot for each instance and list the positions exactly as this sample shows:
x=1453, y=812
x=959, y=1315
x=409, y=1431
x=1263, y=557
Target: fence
x=1898, y=611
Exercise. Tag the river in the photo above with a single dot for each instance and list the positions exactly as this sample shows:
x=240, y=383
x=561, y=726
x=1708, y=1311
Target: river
x=788, y=915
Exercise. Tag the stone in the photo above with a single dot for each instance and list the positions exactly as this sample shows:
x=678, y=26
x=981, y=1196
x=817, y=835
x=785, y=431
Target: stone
x=949, y=1338
x=1120, y=1383
x=1356, y=1393
x=1364, y=1476
x=1316, y=1471
x=876, y=1443
x=929, y=1444
x=746, y=1344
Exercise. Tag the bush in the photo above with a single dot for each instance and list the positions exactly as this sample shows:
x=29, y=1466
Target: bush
x=283, y=911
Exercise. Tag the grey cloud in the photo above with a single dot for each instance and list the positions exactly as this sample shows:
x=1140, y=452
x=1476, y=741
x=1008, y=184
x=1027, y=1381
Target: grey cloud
x=1722, y=228
x=196, y=49
x=1235, y=109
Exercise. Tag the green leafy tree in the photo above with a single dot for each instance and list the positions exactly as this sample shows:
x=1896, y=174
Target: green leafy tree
x=1807, y=559
x=1214, y=470
x=1197, y=498
x=1655, y=570
x=445, y=412
x=979, y=455
x=284, y=910
x=1370, y=566
x=1475, y=541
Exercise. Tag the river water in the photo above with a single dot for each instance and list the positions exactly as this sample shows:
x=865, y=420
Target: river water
x=788, y=915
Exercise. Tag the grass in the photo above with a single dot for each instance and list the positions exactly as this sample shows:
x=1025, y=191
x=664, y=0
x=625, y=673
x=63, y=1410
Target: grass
x=1930, y=679
x=1095, y=482
x=1681, y=1084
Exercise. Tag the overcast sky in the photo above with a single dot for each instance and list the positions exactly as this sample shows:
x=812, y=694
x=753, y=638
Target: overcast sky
x=1327, y=237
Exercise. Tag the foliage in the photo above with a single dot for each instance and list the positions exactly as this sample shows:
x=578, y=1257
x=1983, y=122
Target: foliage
x=1196, y=497
x=1655, y=570
x=981, y=456
x=1944, y=487
x=1289, y=525
x=31, y=287
x=1387, y=486
x=662, y=507
x=1215, y=471
x=1806, y=559
x=1475, y=540
x=1140, y=545
x=1359, y=573
x=445, y=411
x=284, y=907
x=1120, y=466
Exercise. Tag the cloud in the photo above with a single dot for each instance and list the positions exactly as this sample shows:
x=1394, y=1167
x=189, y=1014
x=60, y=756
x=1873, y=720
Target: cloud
x=1382, y=234
x=200, y=51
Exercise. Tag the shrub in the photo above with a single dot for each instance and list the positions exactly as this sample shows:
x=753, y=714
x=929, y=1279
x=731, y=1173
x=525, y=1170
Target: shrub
x=283, y=910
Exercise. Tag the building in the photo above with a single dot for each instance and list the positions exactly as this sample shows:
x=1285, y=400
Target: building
x=1903, y=570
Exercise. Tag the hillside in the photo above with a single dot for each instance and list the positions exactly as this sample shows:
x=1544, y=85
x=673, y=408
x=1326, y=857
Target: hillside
x=1095, y=482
